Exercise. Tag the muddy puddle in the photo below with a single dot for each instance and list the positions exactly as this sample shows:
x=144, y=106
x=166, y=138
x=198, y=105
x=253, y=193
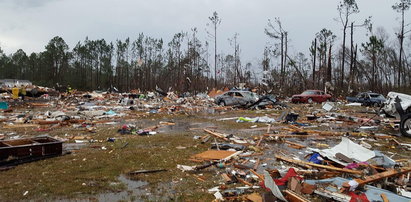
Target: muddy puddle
x=180, y=127
x=135, y=191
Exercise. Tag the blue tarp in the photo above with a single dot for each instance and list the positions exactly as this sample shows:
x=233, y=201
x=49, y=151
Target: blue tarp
x=314, y=158
x=4, y=105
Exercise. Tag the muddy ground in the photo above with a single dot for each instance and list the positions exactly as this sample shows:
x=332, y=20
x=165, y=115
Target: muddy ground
x=96, y=170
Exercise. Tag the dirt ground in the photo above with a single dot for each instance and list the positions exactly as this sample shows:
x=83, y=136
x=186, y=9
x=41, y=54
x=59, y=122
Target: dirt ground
x=97, y=169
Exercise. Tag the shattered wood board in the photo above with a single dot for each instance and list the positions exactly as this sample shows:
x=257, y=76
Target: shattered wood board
x=11, y=126
x=255, y=197
x=213, y=155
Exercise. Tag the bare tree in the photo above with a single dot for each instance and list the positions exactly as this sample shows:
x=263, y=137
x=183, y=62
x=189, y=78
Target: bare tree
x=367, y=23
x=325, y=39
x=345, y=9
x=277, y=32
x=215, y=21
x=401, y=7
x=313, y=53
x=237, y=73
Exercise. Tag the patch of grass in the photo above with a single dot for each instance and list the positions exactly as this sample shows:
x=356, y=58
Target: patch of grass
x=91, y=170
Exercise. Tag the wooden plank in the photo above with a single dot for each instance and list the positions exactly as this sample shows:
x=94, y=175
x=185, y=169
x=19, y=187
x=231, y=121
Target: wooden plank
x=257, y=164
x=293, y=128
x=10, y=126
x=216, y=134
x=214, y=155
x=309, y=165
x=255, y=197
x=244, y=182
x=268, y=128
x=379, y=176
x=294, y=197
x=298, y=136
x=254, y=154
x=384, y=198
x=296, y=145
x=261, y=177
x=226, y=178
x=259, y=141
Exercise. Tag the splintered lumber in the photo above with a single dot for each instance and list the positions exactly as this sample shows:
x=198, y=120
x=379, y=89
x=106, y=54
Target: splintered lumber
x=216, y=134
x=293, y=128
x=297, y=136
x=256, y=164
x=295, y=145
x=39, y=104
x=226, y=178
x=10, y=126
x=257, y=174
x=44, y=122
x=244, y=182
x=205, y=139
x=216, y=155
x=294, y=197
x=383, y=175
x=255, y=197
x=384, y=198
x=253, y=154
x=259, y=141
x=309, y=165
x=401, y=160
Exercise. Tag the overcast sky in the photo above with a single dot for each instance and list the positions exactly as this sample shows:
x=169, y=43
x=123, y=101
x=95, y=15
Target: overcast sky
x=30, y=24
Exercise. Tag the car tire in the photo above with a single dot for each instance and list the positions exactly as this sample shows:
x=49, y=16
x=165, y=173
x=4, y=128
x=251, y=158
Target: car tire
x=328, y=100
x=405, y=125
x=222, y=103
x=376, y=104
x=310, y=100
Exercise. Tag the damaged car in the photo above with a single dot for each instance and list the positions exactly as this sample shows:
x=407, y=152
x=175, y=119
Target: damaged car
x=236, y=98
x=246, y=99
x=310, y=96
x=368, y=99
x=399, y=105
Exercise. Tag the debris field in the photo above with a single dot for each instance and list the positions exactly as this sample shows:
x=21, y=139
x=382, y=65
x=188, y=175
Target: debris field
x=158, y=146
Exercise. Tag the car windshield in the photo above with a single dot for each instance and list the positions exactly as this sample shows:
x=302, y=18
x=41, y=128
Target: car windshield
x=377, y=96
x=308, y=92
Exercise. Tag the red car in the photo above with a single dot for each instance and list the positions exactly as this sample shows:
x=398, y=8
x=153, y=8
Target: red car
x=310, y=96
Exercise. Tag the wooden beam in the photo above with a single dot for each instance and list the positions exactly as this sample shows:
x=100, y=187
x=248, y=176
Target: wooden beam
x=295, y=145
x=261, y=177
x=259, y=141
x=298, y=136
x=244, y=182
x=384, y=198
x=256, y=164
x=294, y=197
x=379, y=176
x=219, y=135
x=310, y=165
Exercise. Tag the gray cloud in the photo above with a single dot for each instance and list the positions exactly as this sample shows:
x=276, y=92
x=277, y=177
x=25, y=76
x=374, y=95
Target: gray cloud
x=26, y=3
x=30, y=24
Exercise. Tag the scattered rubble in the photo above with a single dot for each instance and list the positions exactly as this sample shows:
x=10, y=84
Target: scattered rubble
x=293, y=152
